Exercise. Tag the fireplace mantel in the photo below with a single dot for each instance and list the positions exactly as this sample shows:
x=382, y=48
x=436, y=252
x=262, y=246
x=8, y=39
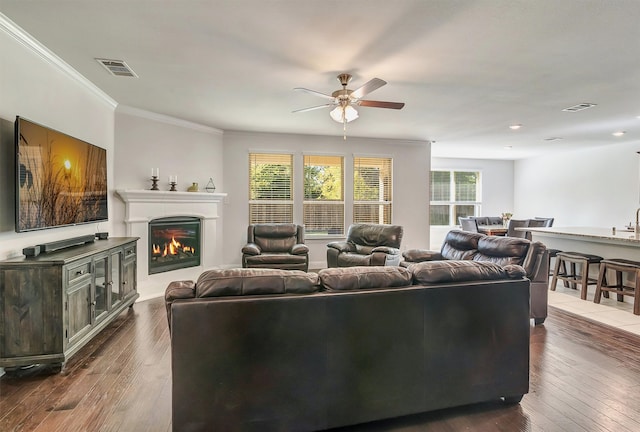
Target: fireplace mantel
x=142, y=206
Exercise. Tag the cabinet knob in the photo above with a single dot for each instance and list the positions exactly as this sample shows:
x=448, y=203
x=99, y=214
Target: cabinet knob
x=79, y=272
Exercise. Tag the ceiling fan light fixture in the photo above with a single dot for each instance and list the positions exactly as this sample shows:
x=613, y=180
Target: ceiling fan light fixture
x=343, y=113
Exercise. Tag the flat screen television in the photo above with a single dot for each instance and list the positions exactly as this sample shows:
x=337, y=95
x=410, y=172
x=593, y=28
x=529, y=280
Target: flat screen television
x=61, y=180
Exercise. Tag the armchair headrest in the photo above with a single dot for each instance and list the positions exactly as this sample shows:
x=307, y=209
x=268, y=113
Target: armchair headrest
x=375, y=235
x=275, y=230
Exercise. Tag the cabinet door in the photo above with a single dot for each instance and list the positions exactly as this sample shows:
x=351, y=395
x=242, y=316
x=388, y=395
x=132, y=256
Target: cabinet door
x=129, y=271
x=102, y=279
x=79, y=310
x=115, y=281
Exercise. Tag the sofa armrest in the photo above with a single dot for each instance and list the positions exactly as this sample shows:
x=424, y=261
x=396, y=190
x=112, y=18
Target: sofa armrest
x=178, y=290
x=299, y=249
x=251, y=249
x=341, y=246
x=419, y=255
x=386, y=249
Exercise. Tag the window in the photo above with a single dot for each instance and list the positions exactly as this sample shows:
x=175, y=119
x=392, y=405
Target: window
x=372, y=190
x=270, y=188
x=454, y=194
x=323, y=207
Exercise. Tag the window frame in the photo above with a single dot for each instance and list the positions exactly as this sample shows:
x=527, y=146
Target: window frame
x=307, y=203
x=452, y=202
x=385, y=183
x=256, y=158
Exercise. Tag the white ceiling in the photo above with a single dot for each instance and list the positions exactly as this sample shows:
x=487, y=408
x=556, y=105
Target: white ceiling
x=466, y=69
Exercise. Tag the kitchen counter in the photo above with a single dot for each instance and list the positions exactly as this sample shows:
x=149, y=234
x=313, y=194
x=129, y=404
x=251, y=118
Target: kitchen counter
x=594, y=240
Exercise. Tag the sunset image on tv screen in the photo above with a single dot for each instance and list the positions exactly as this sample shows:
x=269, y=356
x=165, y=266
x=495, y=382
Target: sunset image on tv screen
x=61, y=180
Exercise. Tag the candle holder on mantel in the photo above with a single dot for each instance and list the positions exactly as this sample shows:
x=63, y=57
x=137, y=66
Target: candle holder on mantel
x=173, y=186
x=154, y=183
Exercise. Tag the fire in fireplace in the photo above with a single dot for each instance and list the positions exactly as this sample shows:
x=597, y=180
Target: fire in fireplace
x=174, y=243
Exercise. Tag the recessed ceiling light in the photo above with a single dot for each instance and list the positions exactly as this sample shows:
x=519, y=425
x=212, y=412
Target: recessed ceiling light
x=515, y=126
x=508, y=147
x=619, y=133
x=554, y=139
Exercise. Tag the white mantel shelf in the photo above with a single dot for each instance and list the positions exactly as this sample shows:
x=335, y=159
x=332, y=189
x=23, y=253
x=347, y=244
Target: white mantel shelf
x=149, y=196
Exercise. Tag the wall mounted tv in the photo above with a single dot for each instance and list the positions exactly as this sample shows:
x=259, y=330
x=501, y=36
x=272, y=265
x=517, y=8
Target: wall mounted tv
x=61, y=180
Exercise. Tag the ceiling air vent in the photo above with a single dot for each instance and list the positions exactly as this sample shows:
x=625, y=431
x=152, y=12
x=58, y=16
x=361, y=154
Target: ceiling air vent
x=117, y=67
x=579, y=107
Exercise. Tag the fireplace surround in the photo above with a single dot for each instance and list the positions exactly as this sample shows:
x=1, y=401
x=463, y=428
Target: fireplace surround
x=144, y=206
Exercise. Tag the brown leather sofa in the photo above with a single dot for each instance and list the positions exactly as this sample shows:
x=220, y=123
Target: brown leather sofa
x=276, y=246
x=367, y=245
x=274, y=350
x=463, y=245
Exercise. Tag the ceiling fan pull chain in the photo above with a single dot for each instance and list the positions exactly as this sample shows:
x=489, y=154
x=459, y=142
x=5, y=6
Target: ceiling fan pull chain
x=344, y=126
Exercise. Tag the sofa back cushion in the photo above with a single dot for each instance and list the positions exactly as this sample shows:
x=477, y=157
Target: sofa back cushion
x=275, y=237
x=356, y=278
x=371, y=235
x=502, y=250
x=460, y=245
x=429, y=272
x=255, y=281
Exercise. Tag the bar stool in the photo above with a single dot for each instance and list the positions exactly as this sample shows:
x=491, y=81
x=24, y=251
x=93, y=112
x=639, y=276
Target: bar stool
x=620, y=266
x=574, y=278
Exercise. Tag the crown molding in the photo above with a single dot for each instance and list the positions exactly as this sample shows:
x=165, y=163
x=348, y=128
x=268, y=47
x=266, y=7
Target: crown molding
x=29, y=42
x=162, y=118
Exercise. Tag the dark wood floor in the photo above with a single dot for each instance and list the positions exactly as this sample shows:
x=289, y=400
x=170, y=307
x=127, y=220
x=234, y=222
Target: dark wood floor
x=584, y=377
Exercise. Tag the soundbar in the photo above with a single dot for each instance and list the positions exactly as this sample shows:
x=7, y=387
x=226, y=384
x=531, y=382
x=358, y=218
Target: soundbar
x=61, y=244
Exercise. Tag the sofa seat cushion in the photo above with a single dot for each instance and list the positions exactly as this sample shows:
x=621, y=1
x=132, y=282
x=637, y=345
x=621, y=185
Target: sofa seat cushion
x=268, y=258
x=429, y=272
x=255, y=281
x=364, y=277
x=349, y=259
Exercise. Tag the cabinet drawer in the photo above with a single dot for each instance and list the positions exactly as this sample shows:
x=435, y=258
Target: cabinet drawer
x=129, y=251
x=78, y=271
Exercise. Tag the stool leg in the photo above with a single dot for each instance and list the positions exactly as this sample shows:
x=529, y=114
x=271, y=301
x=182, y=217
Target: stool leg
x=564, y=269
x=636, y=294
x=584, y=280
x=598, y=294
x=574, y=276
x=554, y=279
x=620, y=286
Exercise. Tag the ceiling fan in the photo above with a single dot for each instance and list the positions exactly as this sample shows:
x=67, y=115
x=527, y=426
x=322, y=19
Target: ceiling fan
x=343, y=100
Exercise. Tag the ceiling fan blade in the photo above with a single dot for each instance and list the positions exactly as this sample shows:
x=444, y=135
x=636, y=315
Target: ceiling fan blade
x=367, y=88
x=381, y=104
x=312, y=108
x=326, y=96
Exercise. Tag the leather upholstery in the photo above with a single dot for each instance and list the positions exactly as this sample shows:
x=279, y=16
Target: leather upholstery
x=354, y=278
x=532, y=256
x=367, y=245
x=276, y=246
x=323, y=360
x=458, y=271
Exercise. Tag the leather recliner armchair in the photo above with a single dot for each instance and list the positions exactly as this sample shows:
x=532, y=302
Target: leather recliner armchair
x=276, y=246
x=367, y=245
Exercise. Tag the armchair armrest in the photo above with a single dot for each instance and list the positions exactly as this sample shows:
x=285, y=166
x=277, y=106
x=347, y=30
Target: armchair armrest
x=341, y=246
x=419, y=255
x=386, y=249
x=251, y=249
x=299, y=249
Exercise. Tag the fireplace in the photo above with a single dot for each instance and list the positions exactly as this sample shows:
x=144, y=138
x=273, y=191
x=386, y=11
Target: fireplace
x=174, y=243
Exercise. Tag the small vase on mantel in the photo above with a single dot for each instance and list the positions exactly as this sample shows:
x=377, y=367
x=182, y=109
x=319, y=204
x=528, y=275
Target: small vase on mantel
x=210, y=187
x=193, y=187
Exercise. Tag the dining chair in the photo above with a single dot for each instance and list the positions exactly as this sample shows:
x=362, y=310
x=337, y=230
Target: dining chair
x=548, y=221
x=517, y=223
x=468, y=224
x=536, y=223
